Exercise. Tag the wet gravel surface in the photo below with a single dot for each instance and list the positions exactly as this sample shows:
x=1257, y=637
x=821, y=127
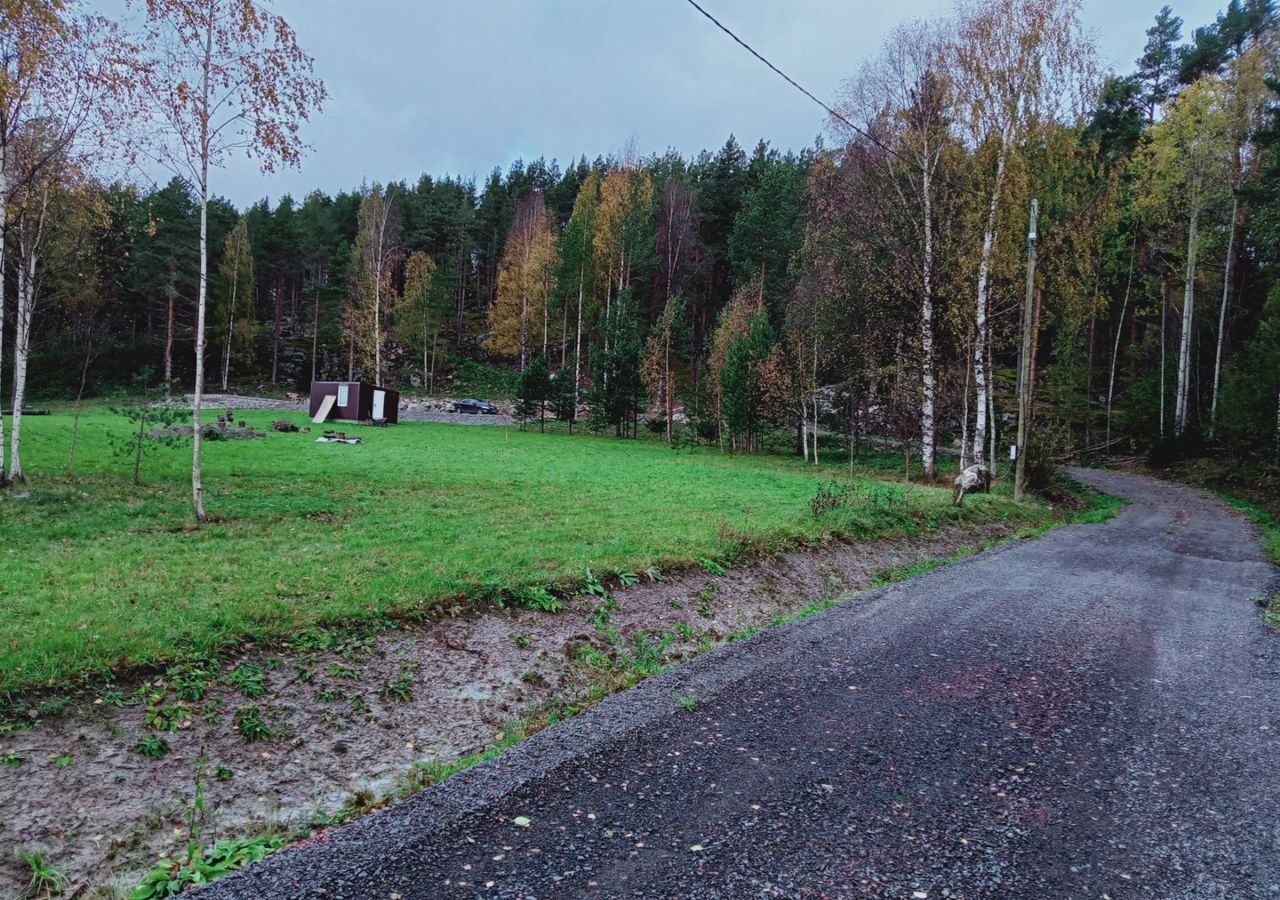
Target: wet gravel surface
x=1093, y=714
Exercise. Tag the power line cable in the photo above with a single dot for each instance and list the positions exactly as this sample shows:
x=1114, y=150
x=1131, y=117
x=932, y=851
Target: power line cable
x=1085, y=207
x=829, y=110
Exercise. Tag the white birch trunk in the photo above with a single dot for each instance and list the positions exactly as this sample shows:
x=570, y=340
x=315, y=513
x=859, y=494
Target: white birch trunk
x=815, y=400
x=28, y=255
x=1188, y=320
x=202, y=295
x=804, y=416
x=377, y=292
x=984, y=289
x=577, y=339
x=1222, y=316
x=226, y=351
x=992, y=430
x=1115, y=352
x=21, y=353
x=928, y=428
x=4, y=196
x=964, y=410
x=231, y=321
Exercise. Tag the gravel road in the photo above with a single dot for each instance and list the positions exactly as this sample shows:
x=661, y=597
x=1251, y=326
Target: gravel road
x=1093, y=714
x=214, y=403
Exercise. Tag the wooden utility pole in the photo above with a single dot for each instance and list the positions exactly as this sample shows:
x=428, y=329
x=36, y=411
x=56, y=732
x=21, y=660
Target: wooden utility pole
x=1024, y=364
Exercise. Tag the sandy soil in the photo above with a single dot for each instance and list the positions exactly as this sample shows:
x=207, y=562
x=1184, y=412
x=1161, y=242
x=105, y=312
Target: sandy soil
x=356, y=718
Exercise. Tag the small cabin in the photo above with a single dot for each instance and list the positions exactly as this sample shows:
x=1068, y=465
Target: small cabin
x=353, y=401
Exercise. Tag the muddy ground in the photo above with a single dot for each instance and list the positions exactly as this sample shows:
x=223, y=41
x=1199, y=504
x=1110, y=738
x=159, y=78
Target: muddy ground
x=350, y=721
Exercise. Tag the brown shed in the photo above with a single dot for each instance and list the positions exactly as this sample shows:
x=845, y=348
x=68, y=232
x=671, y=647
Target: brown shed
x=353, y=401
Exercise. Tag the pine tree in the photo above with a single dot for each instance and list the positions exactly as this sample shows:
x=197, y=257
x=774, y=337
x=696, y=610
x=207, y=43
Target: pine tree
x=1161, y=59
x=616, y=389
x=532, y=392
x=563, y=394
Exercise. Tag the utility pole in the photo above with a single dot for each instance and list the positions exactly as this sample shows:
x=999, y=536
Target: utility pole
x=1024, y=364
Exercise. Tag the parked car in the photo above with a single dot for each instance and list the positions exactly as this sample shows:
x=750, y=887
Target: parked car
x=475, y=407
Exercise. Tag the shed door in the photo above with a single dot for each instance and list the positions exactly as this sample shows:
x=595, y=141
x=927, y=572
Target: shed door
x=379, y=402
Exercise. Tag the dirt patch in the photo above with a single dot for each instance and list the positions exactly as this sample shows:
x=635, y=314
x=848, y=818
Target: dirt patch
x=338, y=721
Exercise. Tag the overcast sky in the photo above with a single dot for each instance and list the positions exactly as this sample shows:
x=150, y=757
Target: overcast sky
x=461, y=86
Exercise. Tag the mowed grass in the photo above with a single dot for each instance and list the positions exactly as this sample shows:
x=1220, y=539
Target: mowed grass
x=97, y=574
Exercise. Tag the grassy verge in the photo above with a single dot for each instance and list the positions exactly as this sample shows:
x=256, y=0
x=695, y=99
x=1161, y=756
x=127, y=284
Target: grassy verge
x=1267, y=522
x=98, y=576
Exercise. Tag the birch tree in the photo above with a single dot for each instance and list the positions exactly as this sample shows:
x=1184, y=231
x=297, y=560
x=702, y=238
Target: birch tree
x=220, y=76
x=1016, y=66
x=525, y=278
x=661, y=360
x=420, y=316
x=578, y=263
x=1183, y=169
x=60, y=81
x=377, y=242
x=906, y=98
x=32, y=33
x=238, y=284
x=1247, y=99
x=676, y=234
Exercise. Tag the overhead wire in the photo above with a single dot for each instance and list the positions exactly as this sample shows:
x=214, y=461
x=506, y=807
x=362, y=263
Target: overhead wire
x=833, y=113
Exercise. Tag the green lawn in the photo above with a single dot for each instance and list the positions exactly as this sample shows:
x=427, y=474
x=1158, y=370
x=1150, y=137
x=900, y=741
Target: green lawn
x=97, y=574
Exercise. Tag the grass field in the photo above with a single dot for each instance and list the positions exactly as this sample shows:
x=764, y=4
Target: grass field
x=97, y=574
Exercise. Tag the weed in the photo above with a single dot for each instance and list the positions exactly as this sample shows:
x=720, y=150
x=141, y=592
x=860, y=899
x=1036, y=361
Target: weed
x=711, y=567
x=116, y=698
x=600, y=616
x=399, y=688
x=628, y=579
x=152, y=746
x=592, y=585
x=170, y=877
x=211, y=712
x=650, y=651
x=688, y=704
x=337, y=670
x=331, y=695
x=705, y=596
x=166, y=717
x=191, y=678
x=829, y=498
x=248, y=679
x=522, y=640
x=45, y=880
x=62, y=762
x=539, y=599
x=251, y=726
x=675, y=603
x=222, y=773
x=11, y=760
x=53, y=707
x=1270, y=609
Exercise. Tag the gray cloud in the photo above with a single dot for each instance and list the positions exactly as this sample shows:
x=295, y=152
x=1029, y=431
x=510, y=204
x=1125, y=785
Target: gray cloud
x=459, y=87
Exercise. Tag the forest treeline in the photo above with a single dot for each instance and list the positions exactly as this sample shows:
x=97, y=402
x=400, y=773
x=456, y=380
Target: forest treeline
x=874, y=283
